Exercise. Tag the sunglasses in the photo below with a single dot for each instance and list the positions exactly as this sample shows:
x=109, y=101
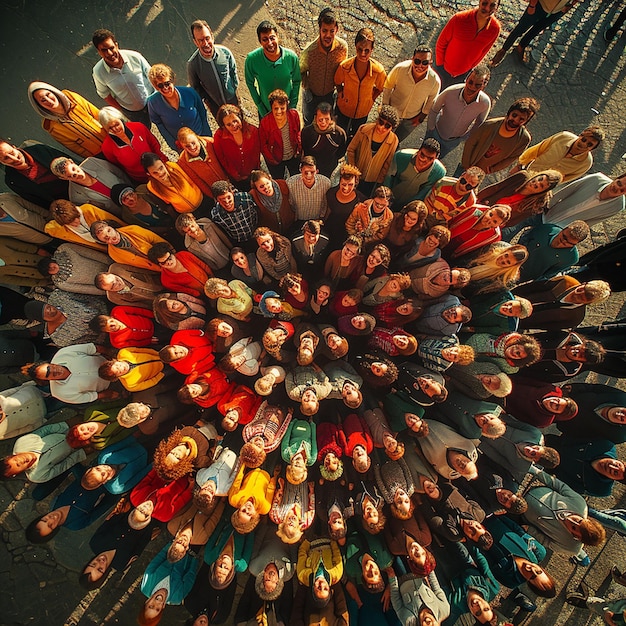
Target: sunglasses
x=421, y=62
x=463, y=181
x=383, y=123
x=166, y=259
x=164, y=85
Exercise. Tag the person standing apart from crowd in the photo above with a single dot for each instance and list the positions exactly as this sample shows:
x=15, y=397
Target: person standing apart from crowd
x=121, y=77
x=271, y=67
x=319, y=62
x=465, y=41
x=359, y=81
x=211, y=69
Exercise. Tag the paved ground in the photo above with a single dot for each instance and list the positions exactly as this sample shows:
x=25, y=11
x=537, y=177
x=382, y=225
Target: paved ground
x=577, y=78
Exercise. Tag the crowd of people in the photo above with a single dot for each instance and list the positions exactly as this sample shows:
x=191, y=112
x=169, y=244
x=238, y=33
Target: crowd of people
x=304, y=354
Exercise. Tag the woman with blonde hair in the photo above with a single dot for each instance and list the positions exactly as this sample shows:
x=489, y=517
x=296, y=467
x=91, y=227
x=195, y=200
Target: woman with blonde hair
x=496, y=268
x=234, y=298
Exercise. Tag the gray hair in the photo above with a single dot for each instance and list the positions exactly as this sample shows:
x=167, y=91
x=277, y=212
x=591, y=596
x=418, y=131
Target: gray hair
x=110, y=114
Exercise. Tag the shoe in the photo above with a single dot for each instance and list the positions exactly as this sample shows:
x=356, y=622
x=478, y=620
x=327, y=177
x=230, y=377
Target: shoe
x=524, y=602
x=577, y=600
x=498, y=58
x=583, y=562
x=617, y=576
x=522, y=54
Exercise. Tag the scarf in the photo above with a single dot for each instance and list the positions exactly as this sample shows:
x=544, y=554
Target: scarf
x=272, y=203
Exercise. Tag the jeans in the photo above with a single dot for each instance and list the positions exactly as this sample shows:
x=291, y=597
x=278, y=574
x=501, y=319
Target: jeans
x=447, y=145
x=529, y=26
x=614, y=519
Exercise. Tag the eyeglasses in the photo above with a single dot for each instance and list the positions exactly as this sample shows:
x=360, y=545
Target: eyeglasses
x=463, y=181
x=421, y=62
x=166, y=259
x=382, y=122
x=164, y=85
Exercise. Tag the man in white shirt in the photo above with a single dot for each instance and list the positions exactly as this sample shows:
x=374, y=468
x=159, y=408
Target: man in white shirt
x=121, y=77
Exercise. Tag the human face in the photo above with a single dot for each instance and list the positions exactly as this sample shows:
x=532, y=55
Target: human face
x=611, y=468
x=383, y=126
x=264, y=185
x=428, y=619
x=532, y=452
x=240, y=260
x=489, y=381
x=165, y=86
x=537, y=184
x=451, y=354
x=423, y=159
x=178, y=352
x=576, y=353
x=203, y=38
x=323, y=120
x=421, y=63
x=506, y=497
x=370, y=512
x=100, y=474
x=511, y=308
x=309, y=396
x=473, y=84
x=322, y=293
x=564, y=239
x=453, y=315
x=321, y=588
x=201, y=620
x=515, y=352
x=430, y=489
x=417, y=554
x=488, y=7
x=331, y=462
x=617, y=415
x=143, y=511
x=246, y=511
x=308, y=173
x=52, y=371
x=20, y=462
x=191, y=145
x=466, y=183
x=584, y=143
x=110, y=52
x=402, y=500
x=96, y=568
x=327, y=35
x=490, y=219
x=224, y=329
x=349, y=251
x=400, y=341
x=223, y=568
x=88, y=429
x=47, y=99
x=410, y=220
x=270, y=577
x=74, y=172
x=615, y=189
x=554, y=404
x=11, y=156
x=50, y=312
x=227, y=201
x=431, y=242
x=129, y=199
x=347, y=185
x=460, y=462
x=232, y=123
x=266, y=242
x=364, y=51
x=159, y=172
x=108, y=234
x=49, y=522
x=532, y=571
x=167, y=261
x=116, y=127
x=413, y=422
x=310, y=238
x=279, y=111
x=572, y=523
x=174, y=306
x=374, y=259
x=378, y=368
x=506, y=259
x=296, y=290
x=429, y=386
x=177, y=454
x=515, y=120
x=274, y=305
x=269, y=43
x=479, y=607
x=335, y=521
x=371, y=571
x=406, y=308
x=155, y=604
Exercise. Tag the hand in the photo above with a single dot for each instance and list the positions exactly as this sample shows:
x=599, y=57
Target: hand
x=530, y=9
x=608, y=618
x=385, y=599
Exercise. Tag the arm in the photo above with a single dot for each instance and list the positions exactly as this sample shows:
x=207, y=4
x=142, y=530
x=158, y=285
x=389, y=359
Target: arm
x=52, y=471
x=250, y=77
x=296, y=79
x=390, y=84
x=155, y=117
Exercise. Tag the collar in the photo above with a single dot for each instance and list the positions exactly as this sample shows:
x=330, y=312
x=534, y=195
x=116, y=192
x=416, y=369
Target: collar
x=110, y=69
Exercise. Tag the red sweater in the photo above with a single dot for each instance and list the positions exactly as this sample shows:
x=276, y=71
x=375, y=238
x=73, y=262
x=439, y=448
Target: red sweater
x=271, y=137
x=219, y=386
x=128, y=157
x=192, y=281
x=243, y=397
x=168, y=498
x=238, y=161
x=139, y=327
x=200, y=357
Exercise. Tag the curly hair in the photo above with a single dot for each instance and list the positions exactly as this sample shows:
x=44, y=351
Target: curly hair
x=211, y=286
x=466, y=355
x=402, y=515
x=63, y=212
x=278, y=95
x=347, y=171
x=252, y=456
x=389, y=114
x=74, y=440
x=164, y=469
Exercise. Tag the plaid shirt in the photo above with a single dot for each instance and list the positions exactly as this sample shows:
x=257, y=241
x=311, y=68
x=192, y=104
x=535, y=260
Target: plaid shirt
x=308, y=204
x=241, y=223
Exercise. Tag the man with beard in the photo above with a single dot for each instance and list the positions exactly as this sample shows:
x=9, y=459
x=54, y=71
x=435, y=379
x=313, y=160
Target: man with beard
x=498, y=142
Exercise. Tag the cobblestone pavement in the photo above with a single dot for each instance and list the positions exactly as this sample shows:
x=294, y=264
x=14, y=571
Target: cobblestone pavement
x=575, y=75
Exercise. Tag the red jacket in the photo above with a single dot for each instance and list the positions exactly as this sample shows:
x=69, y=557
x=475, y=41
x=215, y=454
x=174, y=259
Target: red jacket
x=128, y=157
x=219, y=386
x=238, y=161
x=200, y=357
x=192, y=281
x=357, y=432
x=272, y=140
x=168, y=498
x=243, y=397
x=139, y=327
